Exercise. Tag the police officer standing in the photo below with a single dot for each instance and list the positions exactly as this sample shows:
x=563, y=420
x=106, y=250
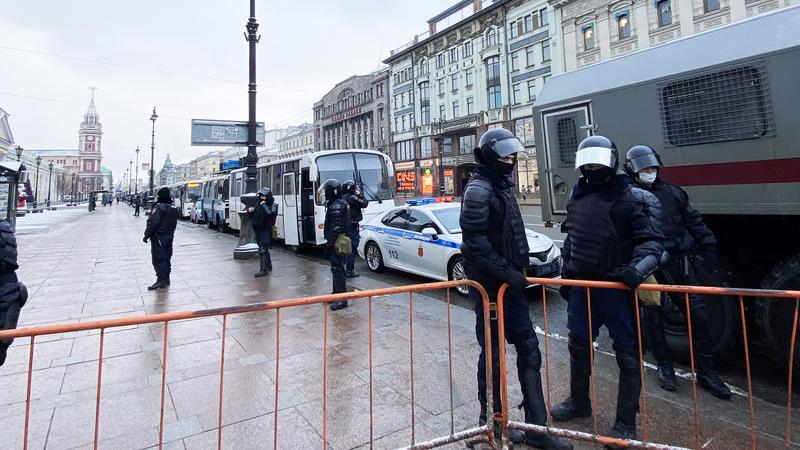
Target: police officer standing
x=687, y=237
x=336, y=223
x=161, y=230
x=495, y=251
x=137, y=202
x=355, y=202
x=13, y=294
x=612, y=235
x=263, y=218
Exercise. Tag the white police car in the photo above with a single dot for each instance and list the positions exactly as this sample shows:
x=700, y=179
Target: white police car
x=424, y=238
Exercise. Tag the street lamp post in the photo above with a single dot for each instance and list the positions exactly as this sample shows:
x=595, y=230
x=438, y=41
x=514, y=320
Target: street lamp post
x=150, y=193
x=19, y=150
x=130, y=176
x=439, y=122
x=136, y=180
x=36, y=196
x=49, y=181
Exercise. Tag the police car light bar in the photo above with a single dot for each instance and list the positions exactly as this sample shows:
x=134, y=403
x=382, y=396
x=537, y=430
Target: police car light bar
x=423, y=201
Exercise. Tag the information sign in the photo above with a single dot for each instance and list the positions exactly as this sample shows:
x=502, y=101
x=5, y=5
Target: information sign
x=223, y=132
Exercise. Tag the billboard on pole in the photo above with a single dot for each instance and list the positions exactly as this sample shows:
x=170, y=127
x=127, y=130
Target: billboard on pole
x=223, y=132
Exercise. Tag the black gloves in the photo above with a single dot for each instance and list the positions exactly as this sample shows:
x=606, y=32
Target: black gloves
x=564, y=292
x=517, y=280
x=144, y=239
x=627, y=275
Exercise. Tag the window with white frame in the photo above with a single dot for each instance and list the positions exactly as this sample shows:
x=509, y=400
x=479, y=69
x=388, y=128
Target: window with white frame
x=467, y=49
x=468, y=77
x=425, y=112
x=425, y=147
x=440, y=61
x=424, y=91
x=514, y=61
x=454, y=81
x=423, y=67
x=544, y=19
x=531, y=90
x=453, y=55
x=664, y=11
x=441, y=86
x=491, y=37
x=529, y=55
x=494, y=97
x=710, y=5
x=588, y=36
x=623, y=25
x=528, y=23
x=513, y=29
x=404, y=150
x=456, y=111
x=516, y=94
x=546, y=50
x=470, y=105
x=442, y=113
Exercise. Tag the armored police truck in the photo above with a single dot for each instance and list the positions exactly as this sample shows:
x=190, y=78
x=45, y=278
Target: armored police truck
x=723, y=109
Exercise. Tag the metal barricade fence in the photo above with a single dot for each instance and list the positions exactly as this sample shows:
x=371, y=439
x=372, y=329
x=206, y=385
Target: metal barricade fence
x=596, y=437
x=278, y=305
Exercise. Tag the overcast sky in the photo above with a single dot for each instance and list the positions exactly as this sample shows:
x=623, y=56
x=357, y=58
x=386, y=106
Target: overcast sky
x=186, y=57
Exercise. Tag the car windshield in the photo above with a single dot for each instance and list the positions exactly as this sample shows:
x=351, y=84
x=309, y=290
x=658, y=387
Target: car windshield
x=449, y=219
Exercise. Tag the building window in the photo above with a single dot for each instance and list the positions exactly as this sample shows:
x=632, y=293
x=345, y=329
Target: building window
x=543, y=14
x=380, y=114
x=623, y=25
x=440, y=61
x=383, y=134
x=396, y=125
x=495, y=102
x=423, y=67
x=404, y=150
x=470, y=105
x=454, y=81
x=529, y=55
x=424, y=91
x=531, y=90
x=426, y=114
x=456, y=112
x=403, y=122
x=546, y=50
x=442, y=113
x=441, y=86
x=467, y=51
x=447, y=146
x=491, y=37
x=453, y=55
x=493, y=68
x=425, y=147
x=536, y=21
x=468, y=77
x=664, y=9
x=588, y=37
x=467, y=144
x=513, y=29
x=528, y=23
x=514, y=61
x=711, y=5
x=516, y=94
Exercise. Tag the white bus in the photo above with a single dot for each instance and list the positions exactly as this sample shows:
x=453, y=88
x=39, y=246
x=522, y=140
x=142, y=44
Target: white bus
x=294, y=182
x=213, y=202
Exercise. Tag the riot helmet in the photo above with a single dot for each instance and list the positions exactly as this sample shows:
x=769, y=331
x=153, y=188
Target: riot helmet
x=498, y=149
x=597, y=159
x=266, y=193
x=330, y=190
x=641, y=157
x=349, y=187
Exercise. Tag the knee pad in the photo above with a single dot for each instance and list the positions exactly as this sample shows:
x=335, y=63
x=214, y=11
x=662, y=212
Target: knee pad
x=628, y=363
x=578, y=346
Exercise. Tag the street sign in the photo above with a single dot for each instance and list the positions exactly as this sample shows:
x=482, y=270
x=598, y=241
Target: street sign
x=223, y=132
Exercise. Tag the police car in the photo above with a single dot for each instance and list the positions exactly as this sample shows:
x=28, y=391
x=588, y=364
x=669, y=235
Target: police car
x=423, y=237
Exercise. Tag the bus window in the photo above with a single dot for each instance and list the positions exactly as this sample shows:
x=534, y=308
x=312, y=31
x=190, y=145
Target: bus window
x=372, y=175
x=276, y=173
x=225, y=188
x=263, y=177
x=289, y=190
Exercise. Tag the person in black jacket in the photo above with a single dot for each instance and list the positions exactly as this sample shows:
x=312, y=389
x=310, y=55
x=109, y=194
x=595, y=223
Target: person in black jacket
x=137, y=203
x=687, y=238
x=355, y=202
x=612, y=235
x=263, y=218
x=336, y=223
x=495, y=250
x=13, y=294
x=161, y=230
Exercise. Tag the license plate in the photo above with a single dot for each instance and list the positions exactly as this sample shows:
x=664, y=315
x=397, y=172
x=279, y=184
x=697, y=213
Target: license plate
x=546, y=269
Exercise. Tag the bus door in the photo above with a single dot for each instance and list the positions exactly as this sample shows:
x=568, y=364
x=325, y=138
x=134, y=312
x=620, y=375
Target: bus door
x=291, y=222
x=307, y=209
x=563, y=130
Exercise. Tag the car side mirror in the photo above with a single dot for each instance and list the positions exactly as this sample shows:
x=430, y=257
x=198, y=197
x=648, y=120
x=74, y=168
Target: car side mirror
x=430, y=232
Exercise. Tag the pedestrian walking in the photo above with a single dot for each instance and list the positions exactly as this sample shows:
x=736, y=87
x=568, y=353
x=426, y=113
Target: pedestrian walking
x=263, y=216
x=137, y=203
x=336, y=224
x=612, y=235
x=687, y=240
x=495, y=250
x=160, y=231
x=355, y=202
x=13, y=294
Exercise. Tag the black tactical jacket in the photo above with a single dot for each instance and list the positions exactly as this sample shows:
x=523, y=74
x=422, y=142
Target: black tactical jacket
x=356, y=204
x=163, y=220
x=8, y=253
x=264, y=215
x=336, y=221
x=683, y=227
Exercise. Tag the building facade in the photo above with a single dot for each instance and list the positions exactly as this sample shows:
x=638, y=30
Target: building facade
x=298, y=141
x=596, y=30
x=354, y=114
x=480, y=66
x=168, y=174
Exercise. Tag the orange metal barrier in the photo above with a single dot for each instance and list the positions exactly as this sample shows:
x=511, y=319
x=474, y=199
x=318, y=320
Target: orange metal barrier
x=595, y=437
x=166, y=318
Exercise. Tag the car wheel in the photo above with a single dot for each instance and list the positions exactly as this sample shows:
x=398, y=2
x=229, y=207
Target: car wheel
x=374, y=258
x=455, y=271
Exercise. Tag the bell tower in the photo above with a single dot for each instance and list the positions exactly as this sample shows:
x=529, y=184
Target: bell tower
x=90, y=136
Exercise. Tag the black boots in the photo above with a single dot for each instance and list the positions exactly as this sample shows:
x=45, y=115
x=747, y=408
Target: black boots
x=666, y=375
x=708, y=379
x=351, y=274
x=577, y=404
x=159, y=284
x=266, y=266
x=341, y=304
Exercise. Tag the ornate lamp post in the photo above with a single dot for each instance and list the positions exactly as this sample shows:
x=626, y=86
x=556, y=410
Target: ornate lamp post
x=36, y=196
x=150, y=192
x=49, y=181
x=136, y=180
x=130, y=176
x=19, y=150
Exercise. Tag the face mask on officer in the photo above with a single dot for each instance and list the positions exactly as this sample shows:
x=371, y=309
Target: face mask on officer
x=505, y=165
x=596, y=174
x=648, y=177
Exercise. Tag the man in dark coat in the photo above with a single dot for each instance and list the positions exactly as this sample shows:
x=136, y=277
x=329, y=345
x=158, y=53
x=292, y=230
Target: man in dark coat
x=263, y=216
x=137, y=202
x=687, y=238
x=336, y=223
x=495, y=249
x=355, y=202
x=161, y=230
x=13, y=294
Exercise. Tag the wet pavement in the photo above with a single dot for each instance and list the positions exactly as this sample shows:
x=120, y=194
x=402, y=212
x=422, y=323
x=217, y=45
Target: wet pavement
x=82, y=266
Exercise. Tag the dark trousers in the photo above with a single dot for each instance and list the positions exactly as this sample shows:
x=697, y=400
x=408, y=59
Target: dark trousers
x=337, y=269
x=519, y=332
x=161, y=252
x=355, y=238
x=263, y=238
x=136, y=211
x=683, y=274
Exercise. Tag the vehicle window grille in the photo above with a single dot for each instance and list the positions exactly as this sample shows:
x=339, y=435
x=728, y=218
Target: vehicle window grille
x=567, y=141
x=717, y=106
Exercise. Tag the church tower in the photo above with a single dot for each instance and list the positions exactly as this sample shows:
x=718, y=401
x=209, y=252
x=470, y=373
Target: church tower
x=90, y=136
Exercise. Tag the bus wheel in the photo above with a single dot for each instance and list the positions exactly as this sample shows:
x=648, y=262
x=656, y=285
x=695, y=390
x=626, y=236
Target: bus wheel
x=374, y=258
x=774, y=316
x=721, y=325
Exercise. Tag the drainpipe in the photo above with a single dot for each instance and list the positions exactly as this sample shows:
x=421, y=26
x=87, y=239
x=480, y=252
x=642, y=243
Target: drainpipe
x=508, y=62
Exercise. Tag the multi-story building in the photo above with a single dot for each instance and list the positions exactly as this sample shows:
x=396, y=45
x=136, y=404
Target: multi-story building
x=168, y=173
x=182, y=173
x=206, y=165
x=299, y=140
x=354, y=114
x=593, y=30
x=479, y=66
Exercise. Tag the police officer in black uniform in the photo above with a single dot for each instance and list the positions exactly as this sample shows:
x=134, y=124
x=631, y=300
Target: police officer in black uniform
x=336, y=223
x=687, y=237
x=263, y=217
x=356, y=202
x=137, y=203
x=495, y=251
x=13, y=294
x=161, y=230
x=612, y=235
